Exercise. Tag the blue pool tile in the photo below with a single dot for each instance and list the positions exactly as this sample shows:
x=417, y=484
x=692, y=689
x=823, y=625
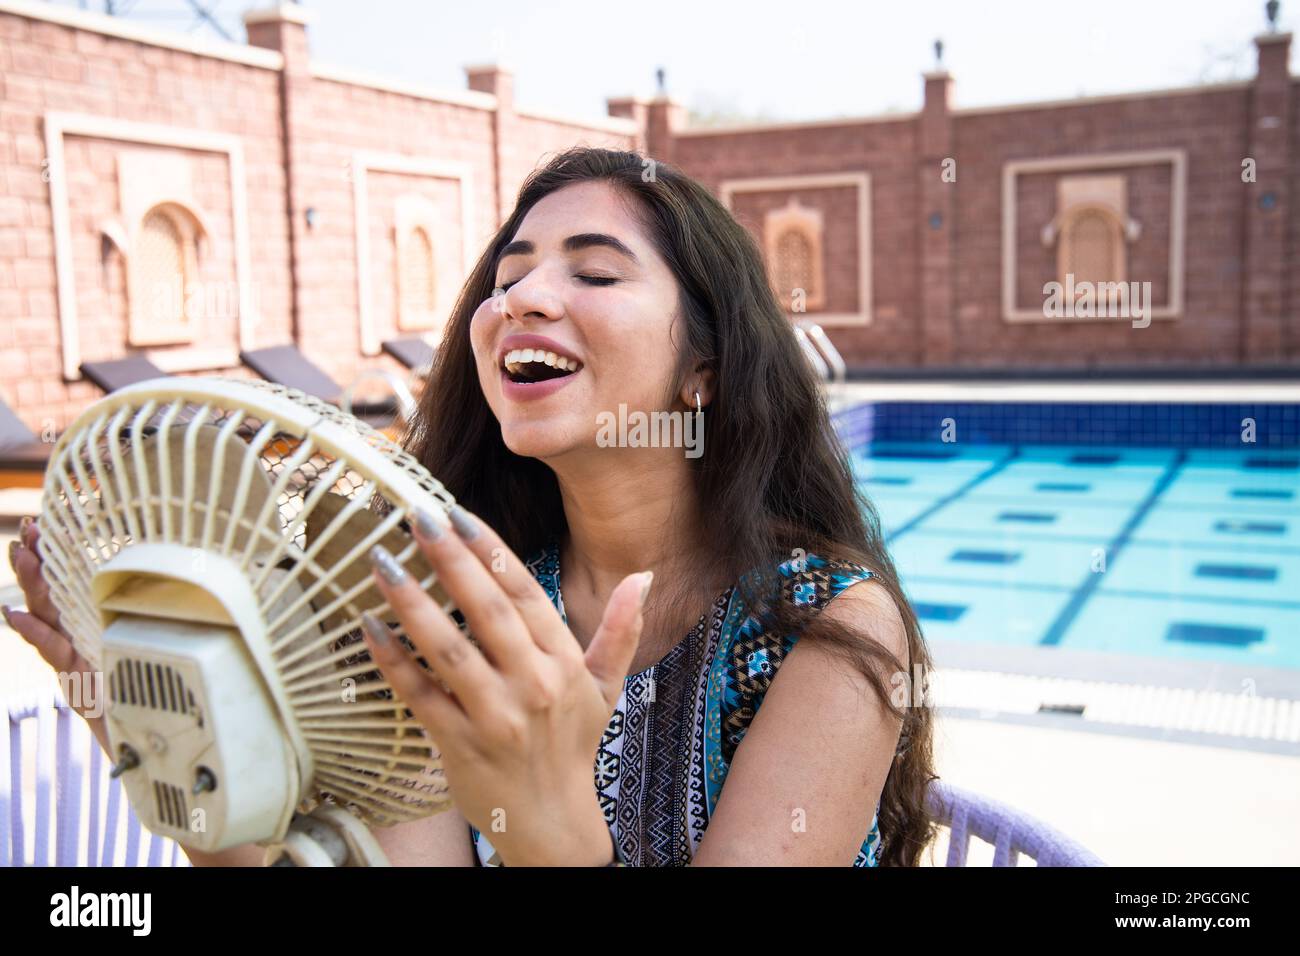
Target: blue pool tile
x=988, y=614
x=1093, y=459
x=1271, y=464
x=1150, y=569
x=985, y=557
x=1146, y=627
x=1269, y=494
x=934, y=451
x=984, y=516
x=1200, y=633
x=892, y=480
x=1060, y=486
x=1042, y=562
x=1237, y=572
x=1220, y=527
x=938, y=612
x=1124, y=458
x=895, y=511
x=1241, y=526
x=1198, y=486
x=1028, y=517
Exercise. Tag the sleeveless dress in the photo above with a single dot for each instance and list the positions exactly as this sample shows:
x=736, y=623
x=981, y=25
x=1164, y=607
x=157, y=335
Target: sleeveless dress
x=665, y=753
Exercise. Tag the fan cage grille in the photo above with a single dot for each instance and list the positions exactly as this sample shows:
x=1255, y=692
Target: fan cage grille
x=105, y=491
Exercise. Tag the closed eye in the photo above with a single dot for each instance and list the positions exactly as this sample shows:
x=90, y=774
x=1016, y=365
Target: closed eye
x=590, y=280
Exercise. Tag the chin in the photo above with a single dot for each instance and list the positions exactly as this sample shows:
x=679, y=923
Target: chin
x=538, y=439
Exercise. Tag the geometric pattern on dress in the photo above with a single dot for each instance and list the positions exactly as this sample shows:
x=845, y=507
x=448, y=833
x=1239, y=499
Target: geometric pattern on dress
x=665, y=753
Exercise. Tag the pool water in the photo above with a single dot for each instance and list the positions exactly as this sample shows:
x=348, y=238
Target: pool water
x=1161, y=552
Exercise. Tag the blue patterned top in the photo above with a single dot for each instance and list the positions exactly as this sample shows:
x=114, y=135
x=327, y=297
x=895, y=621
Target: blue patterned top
x=675, y=729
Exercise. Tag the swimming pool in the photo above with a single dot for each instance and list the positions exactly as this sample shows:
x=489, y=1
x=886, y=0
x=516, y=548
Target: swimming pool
x=1142, y=530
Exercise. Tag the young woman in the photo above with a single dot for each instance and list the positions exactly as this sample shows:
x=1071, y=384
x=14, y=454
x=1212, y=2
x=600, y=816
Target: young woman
x=619, y=284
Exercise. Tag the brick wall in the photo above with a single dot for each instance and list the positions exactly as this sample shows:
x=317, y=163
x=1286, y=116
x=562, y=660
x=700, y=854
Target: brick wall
x=300, y=127
x=937, y=256
x=936, y=246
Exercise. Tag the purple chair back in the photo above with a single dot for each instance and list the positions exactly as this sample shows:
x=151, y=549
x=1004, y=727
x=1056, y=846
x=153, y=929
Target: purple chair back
x=51, y=769
x=1010, y=832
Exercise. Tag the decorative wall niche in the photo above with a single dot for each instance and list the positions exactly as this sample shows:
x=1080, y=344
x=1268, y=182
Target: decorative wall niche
x=416, y=226
x=1091, y=229
x=793, y=236
x=1095, y=237
x=155, y=178
x=793, y=239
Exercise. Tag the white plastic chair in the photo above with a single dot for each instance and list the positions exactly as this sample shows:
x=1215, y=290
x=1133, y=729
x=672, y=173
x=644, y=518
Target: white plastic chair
x=56, y=795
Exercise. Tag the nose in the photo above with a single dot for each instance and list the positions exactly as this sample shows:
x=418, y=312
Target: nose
x=529, y=298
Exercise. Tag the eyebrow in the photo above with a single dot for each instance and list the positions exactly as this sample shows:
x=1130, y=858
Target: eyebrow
x=583, y=240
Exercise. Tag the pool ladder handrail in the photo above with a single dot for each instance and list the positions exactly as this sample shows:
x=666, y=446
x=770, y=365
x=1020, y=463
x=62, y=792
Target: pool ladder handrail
x=402, y=393
x=821, y=351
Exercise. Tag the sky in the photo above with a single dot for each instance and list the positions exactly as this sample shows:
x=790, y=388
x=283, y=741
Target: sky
x=764, y=60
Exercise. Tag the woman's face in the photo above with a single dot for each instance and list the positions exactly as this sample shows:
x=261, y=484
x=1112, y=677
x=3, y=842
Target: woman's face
x=583, y=282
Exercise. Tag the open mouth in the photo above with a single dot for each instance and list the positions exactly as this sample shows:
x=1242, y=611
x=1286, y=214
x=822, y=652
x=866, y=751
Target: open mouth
x=529, y=366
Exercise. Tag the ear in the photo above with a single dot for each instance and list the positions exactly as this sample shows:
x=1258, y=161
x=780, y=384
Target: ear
x=701, y=380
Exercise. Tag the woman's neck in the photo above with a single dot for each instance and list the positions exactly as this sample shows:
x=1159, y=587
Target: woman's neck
x=628, y=511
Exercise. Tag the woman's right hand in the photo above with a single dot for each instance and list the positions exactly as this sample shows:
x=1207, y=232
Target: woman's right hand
x=39, y=626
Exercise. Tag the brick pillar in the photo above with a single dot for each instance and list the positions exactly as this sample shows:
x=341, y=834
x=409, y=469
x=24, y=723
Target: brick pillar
x=507, y=163
x=663, y=118
x=637, y=109
x=283, y=28
x=937, y=203
x=1268, y=208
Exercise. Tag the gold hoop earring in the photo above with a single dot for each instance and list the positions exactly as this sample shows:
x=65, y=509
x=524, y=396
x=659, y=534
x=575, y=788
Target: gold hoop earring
x=698, y=410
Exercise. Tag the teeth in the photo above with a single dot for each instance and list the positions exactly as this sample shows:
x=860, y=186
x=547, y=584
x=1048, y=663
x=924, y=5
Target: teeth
x=519, y=357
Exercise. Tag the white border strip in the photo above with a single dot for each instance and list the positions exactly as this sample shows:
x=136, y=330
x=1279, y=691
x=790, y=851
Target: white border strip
x=729, y=187
x=472, y=99
x=58, y=125
x=1102, y=98
x=1177, y=160
x=618, y=125
x=365, y=162
x=795, y=126
x=126, y=30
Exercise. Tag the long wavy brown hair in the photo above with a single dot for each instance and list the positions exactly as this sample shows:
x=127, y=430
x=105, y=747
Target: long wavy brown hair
x=775, y=479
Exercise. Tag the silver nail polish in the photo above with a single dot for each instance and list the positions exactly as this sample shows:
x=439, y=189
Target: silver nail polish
x=389, y=569
x=427, y=525
x=463, y=522
x=376, y=628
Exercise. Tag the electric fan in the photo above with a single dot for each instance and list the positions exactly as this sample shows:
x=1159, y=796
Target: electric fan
x=206, y=541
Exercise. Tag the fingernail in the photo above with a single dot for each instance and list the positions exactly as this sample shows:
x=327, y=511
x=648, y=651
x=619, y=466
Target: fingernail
x=427, y=525
x=464, y=523
x=4, y=609
x=13, y=552
x=645, y=586
x=389, y=569
x=376, y=628
x=24, y=525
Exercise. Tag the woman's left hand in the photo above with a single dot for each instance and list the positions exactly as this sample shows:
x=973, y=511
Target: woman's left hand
x=521, y=718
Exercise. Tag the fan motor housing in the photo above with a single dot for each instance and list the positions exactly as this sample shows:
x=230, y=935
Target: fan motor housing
x=188, y=701
x=187, y=695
